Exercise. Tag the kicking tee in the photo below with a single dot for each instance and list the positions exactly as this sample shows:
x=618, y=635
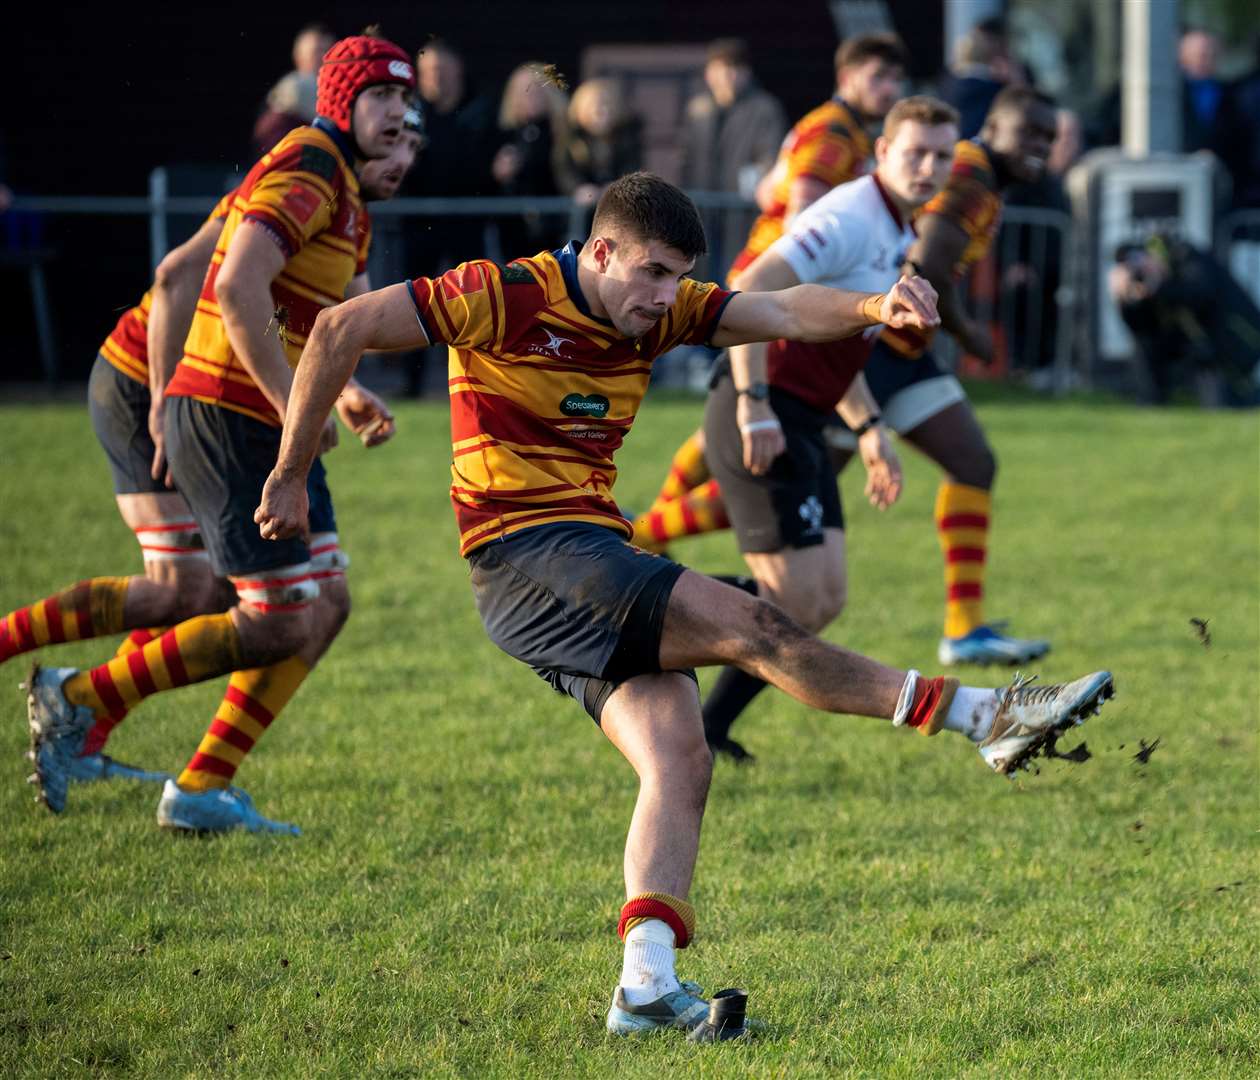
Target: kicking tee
x=305, y=194
x=127, y=346
x=852, y=238
x=542, y=391
x=829, y=144
x=972, y=201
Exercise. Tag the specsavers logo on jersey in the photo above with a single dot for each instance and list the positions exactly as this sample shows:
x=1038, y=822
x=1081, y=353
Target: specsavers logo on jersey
x=585, y=405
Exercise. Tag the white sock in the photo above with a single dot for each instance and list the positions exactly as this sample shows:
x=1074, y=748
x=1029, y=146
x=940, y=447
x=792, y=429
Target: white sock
x=647, y=972
x=972, y=712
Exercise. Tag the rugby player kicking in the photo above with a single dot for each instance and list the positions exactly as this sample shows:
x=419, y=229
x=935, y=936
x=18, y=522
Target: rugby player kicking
x=769, y=405
x=829, y=145
x=549, y=359
x=295, y=239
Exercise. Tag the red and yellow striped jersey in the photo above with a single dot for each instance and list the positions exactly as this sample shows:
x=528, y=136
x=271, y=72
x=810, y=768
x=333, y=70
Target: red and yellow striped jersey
x=306, y=195
x=971, y=199
x=127, y=346
x=828, y=144
x=542, y=392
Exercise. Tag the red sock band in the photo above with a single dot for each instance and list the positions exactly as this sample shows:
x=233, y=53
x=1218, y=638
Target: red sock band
x=927, y=693
x=643, y=907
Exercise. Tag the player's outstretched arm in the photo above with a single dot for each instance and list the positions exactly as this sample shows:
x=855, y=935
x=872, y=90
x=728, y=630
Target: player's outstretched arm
x=380, y=321
x=818, y=313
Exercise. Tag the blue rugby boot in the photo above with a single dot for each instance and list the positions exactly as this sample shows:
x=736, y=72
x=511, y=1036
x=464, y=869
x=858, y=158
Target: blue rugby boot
x=90, y=767
x=216, y=810
x=989, y=645
x=58, y=731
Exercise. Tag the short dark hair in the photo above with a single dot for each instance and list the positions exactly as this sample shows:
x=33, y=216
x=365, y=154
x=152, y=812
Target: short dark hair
x=864, y=47
x=651, y=209
x=733, y=51
x=1018, y=99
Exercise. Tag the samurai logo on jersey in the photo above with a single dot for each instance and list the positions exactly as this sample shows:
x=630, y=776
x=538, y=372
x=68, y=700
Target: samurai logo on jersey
x=585, y=405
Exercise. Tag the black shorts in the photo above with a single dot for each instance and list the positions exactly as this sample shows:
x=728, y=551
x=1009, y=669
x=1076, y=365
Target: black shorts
x=220, y=460
x=577, y=603
x=791, y=505
x=908, y=392
x=120, y=416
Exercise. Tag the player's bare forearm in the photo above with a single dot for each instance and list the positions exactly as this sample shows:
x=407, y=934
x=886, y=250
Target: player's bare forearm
x=858, y=404
x=257, y=340
x=949, y=306
x=748, y=364
x=331, y=354
x=799, y=313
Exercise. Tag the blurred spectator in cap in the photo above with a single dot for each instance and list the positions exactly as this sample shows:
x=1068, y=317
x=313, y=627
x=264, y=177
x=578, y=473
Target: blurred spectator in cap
x=291, y=102
x=731, y=137
x=981, y=67
x=604, y=141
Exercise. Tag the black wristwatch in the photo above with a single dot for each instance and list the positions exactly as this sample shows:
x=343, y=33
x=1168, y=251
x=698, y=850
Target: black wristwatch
x=867, y=424
x=758, y=391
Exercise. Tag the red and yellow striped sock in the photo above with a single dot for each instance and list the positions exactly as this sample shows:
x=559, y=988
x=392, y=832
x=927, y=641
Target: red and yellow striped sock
x=199, y=649
x=688, y=470
x=252, y=700
x=100, y=731
x=962, y=523
x=678, y=914
x=86, y=610
x=697, y=512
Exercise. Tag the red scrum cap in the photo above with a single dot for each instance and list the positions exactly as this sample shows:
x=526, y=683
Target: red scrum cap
x=350, y=67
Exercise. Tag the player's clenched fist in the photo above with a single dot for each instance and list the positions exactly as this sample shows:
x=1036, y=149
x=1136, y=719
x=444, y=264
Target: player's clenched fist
x=911, y=302
x=284, y=509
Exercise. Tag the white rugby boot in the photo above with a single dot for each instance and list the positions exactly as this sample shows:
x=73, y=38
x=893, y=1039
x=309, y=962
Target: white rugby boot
x=1030, y=718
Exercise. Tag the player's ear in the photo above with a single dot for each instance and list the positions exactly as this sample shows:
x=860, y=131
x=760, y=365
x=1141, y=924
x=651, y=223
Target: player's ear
x=881, y=149
x=601, y=251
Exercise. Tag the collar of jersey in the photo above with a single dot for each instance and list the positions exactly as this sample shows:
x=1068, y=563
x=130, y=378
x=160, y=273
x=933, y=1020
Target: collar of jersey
x=344, y=144
x=854, y=115
x=889, y=205
x=567, y=257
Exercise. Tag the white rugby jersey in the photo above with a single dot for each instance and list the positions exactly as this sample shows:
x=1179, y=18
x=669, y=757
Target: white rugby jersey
x=851, y=238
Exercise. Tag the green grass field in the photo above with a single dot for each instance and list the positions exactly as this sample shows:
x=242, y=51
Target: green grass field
x=893, y=907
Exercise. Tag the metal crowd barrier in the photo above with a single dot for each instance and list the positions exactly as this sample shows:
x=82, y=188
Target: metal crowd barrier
x=1024, y=289
x=1025, y=293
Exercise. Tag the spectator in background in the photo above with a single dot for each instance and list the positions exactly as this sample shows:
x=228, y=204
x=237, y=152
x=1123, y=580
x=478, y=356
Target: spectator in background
x=533, y=118
x=731, y=137
x=1197, y=54
x=291, y=102
x=1192, y=321
x=459, y=127
x=982, y=66
x=1240, y=125
x=604, y=141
